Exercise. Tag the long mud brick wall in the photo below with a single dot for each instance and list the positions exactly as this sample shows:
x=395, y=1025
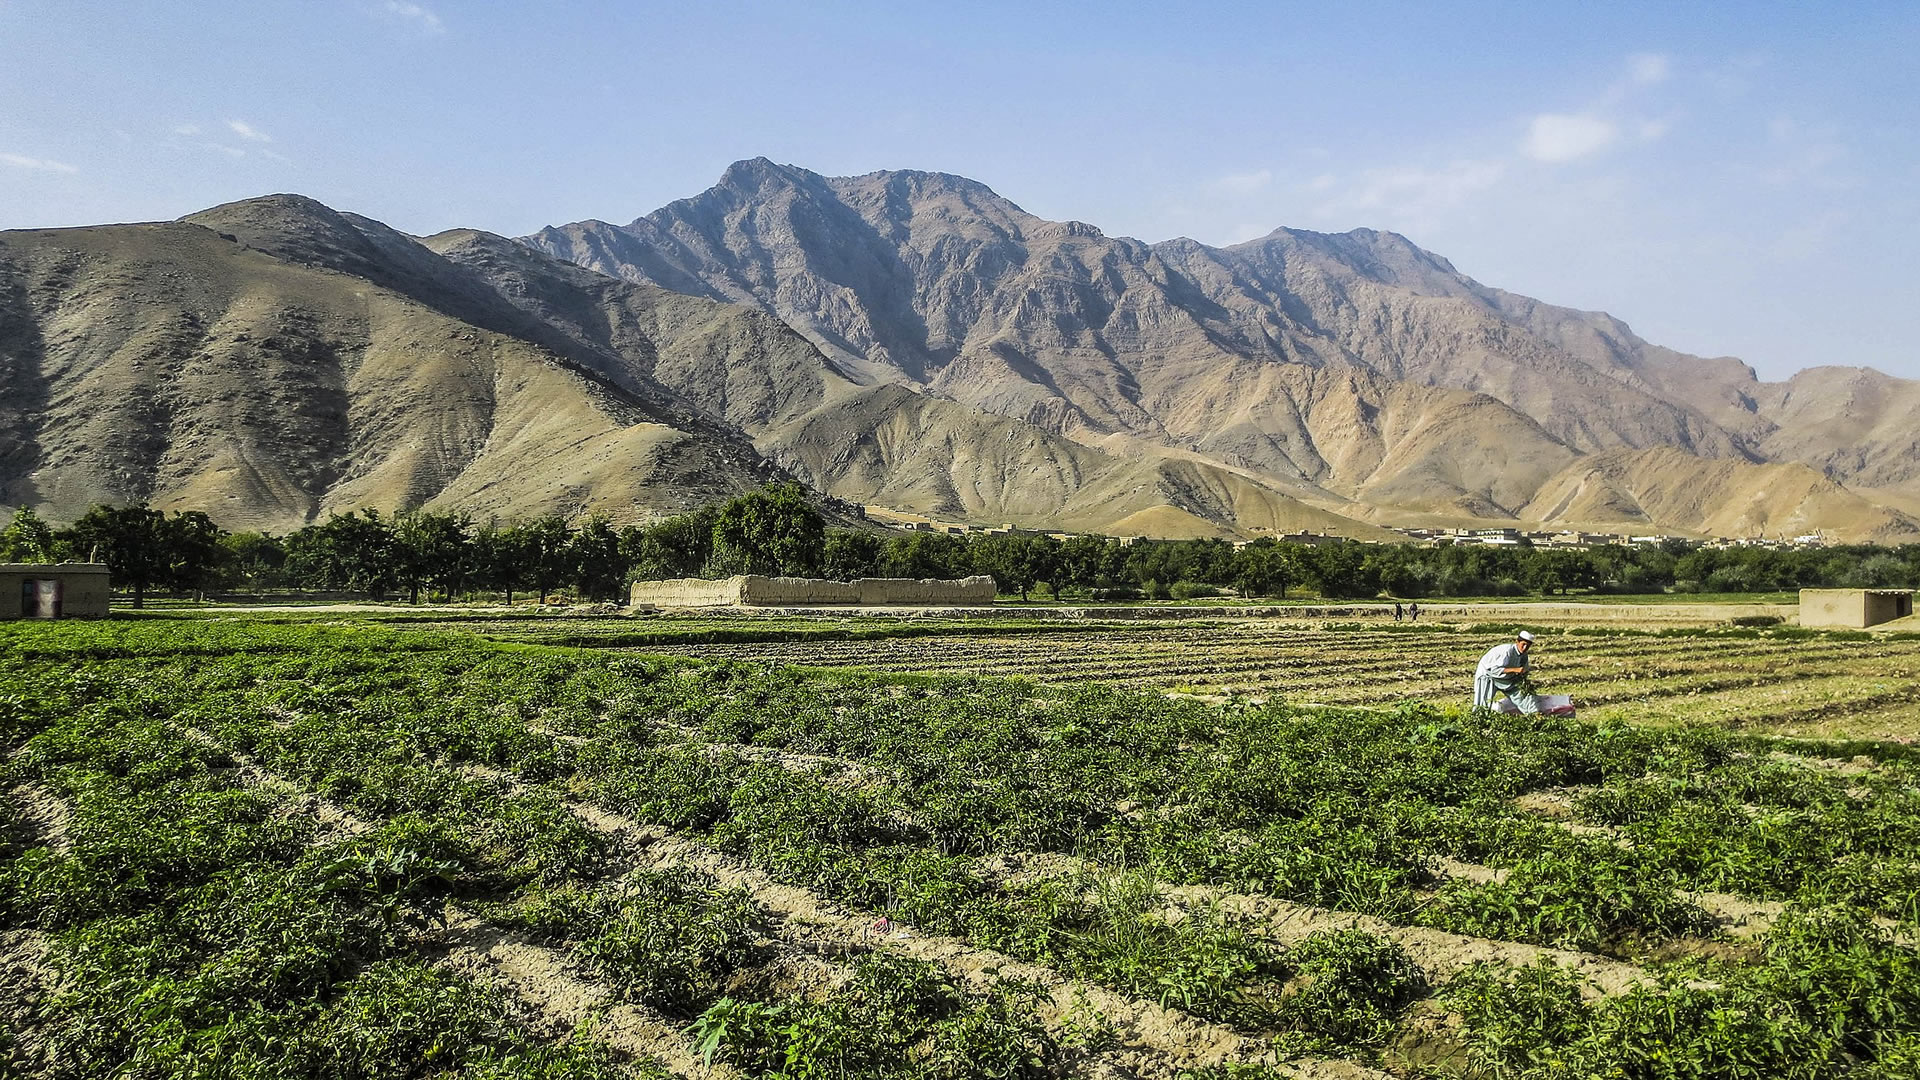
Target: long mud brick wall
x=754, y=590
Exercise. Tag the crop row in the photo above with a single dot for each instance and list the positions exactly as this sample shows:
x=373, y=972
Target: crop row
x=1343, y=810
x=383, y=770
x=196, y=925
x=1720, y=673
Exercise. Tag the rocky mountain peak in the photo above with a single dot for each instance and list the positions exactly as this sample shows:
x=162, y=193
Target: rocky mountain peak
x=1304, y=355
x=292, y=227
x=960, y=357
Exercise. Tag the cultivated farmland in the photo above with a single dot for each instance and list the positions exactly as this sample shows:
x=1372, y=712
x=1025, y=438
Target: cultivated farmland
x=356, y=851
x=1784, y=681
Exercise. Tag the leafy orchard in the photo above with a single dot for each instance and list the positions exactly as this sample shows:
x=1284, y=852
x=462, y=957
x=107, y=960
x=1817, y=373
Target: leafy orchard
x=775, y=530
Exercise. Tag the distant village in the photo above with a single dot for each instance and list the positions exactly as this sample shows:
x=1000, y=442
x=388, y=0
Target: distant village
x=1504, y=537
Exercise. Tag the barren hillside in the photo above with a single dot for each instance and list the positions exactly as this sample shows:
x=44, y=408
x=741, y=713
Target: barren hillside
x=1356, y=367
x=902, y=338
x=174, y=364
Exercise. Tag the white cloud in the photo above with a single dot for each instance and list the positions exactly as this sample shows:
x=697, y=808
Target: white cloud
x=1411, y=194
x=1648, y=68
x=1424, y=195
x=22, y=161
x=187, y=129
x=1244, y=183
x=416, y=14
x=248, y=131
x=230, y=151
x=281, y=158
x=1556, y=137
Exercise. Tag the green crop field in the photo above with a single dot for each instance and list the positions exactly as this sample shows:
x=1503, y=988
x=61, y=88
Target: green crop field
x=1782, y=681
x=355, y=848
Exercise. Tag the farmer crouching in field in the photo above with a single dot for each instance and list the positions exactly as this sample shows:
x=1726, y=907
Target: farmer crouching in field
x=1504, y=671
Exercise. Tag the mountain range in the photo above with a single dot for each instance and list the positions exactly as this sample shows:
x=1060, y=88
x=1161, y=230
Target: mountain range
x=907, y=339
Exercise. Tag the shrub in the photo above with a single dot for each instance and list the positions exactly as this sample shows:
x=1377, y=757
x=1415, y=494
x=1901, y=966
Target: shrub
x=1351, y=986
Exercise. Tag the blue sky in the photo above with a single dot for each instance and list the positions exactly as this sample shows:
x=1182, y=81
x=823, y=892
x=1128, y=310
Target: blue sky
x=1728, y=178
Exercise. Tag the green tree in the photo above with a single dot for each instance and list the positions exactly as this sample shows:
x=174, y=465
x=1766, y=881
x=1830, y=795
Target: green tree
x=1340, y=570
x=1265, y=567
x=354, y=552
x=431, y=547
x=1551, y=571
x=770, y=531
x=132, y=540
x=27, y=539
x=675, y=547
x=545, y=545
x=255, y=558
x=1009, y=558
x=599, y=566
x=499, y=558
x=925, y=555
x=1084, y=561
x=850, y=554
x=194, y=553
x=1880, y=571
x=1403, y=572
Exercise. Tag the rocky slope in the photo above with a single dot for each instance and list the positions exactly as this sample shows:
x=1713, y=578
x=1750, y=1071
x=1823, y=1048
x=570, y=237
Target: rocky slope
x=1352, y=368
x=273, y=361
x=878, y=443
x=909, y=339
x=1644, y=489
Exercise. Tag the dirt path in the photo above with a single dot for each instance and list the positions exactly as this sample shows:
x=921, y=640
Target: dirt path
x=335, y=822
x=25, y=983
x=543, y=980
x=1438, y=951
x=46, y=814
x=539, y=978
x=1153, y=1041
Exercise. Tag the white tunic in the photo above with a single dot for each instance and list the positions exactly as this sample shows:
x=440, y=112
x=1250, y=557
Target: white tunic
x=1497, y=659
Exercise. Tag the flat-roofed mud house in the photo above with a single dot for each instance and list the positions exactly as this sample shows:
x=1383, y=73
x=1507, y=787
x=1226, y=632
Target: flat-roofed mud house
x=53, y=590
x=1853, y=609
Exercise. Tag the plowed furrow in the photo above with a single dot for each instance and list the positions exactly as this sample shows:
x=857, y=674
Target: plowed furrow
x=543, y=980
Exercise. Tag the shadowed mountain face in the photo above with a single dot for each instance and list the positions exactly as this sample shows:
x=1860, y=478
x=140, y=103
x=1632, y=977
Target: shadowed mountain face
x=909, y=339
x=874, y=443
x=271, y=361
x=1356, y=366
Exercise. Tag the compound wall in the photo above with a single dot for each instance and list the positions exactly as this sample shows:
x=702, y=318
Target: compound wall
x=754, y=590
x=1854, y=609
x=917, y=592
x=49, y=591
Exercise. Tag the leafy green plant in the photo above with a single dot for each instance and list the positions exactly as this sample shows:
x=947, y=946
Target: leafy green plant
x=1350, y=986
x=1594, y=900
x=894, y=1016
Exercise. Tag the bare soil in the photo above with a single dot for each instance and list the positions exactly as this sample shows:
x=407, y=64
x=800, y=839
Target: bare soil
x=559, y=1003
x=46, y=814
x=25, y=983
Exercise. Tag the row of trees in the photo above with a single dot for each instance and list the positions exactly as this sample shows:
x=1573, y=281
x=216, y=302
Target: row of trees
x=770, y=531
x=777, y=531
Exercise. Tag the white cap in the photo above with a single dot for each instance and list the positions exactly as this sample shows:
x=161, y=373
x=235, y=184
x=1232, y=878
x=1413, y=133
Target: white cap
x=1526, y=635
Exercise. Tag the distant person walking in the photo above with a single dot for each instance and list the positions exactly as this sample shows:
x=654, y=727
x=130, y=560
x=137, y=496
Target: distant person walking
x=1413, y=611
x=1398, y=611
x=1503, y=670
